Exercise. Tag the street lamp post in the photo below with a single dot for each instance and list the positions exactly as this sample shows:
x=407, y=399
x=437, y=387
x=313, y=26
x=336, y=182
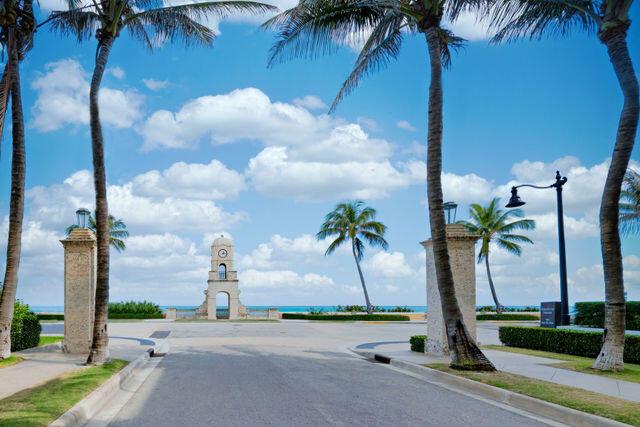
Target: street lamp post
x=515, y=202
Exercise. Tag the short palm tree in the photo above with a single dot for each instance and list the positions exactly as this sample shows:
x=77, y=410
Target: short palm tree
x=491, y=223
x=117, y=231
x=609, y=19
x=354, y=223
x=630, y=204
x=149, y=21
x=316, y=27
x=17, y=26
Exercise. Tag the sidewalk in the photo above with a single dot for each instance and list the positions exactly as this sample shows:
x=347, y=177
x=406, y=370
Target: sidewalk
x=520, y=364
x=42, y=364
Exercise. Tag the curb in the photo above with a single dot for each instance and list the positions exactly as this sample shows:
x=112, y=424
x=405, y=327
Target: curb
x=522, y=402
x=88, y=407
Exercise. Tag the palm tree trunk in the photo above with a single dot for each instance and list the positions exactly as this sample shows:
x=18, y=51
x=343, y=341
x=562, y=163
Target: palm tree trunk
x=100, y=342
x=364, y=288
x=493, y=289
x=465, y=353
x=611, y=354
x=16, y=207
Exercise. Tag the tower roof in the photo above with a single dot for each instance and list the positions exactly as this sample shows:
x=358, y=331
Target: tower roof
x=222, y=240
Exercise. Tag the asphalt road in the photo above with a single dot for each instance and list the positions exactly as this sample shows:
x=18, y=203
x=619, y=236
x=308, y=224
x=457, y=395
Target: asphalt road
x=293, y=374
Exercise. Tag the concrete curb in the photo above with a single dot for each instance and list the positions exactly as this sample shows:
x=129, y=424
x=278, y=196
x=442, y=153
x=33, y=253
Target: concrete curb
x=515, y=400
x=84, y=410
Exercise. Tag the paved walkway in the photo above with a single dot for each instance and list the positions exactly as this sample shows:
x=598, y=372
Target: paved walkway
x=529, y=366
x=46, y=363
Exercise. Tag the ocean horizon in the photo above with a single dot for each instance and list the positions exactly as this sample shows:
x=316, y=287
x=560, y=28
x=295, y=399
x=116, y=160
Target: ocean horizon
x=281, y=308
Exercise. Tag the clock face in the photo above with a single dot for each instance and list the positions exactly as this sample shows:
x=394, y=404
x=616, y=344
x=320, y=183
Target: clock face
x=222, y=253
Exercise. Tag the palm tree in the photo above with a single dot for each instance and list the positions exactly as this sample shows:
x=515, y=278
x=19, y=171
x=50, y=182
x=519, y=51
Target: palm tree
x=316, y=27
x=355, y=223
x=117, y=231
x=610, y=18
x=630, y=204
x=17, y=26
x=148, y=21
x=491, y=222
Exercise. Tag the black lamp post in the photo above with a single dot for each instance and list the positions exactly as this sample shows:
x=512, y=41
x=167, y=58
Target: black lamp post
x=450, y=208
x=515, y=202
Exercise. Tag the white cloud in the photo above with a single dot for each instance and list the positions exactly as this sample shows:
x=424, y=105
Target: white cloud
x=211, y=181
x=63, y=99
x=405, y=125
x=310, y=102
x=116, y=72
x=153, y=84
x=468, y=27
x=278, y=279
x=389, y=264
x=260, y=257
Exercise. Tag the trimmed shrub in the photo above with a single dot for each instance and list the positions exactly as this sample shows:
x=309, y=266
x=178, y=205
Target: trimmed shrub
x=567, y=341
x=25, y=328
x=375, y=317
x=136, y=315
x=417, y=343
x=134, y=307
x=47, y=316
x=591, y=314
x=508, y=316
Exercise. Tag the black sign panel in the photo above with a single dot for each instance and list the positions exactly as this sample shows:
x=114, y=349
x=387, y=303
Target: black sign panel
x=550, y=314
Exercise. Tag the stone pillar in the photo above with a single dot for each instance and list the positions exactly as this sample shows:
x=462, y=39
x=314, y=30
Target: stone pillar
x=171, y=314
x=211, y=304
x=79, y=290
x=462, y=254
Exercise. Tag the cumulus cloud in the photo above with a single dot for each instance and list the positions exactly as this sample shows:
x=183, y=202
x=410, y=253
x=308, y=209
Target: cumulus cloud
x=310, y=102
x=116, y=72
x=389, y=264
x=405, y=125
x=153, y=84
x=278, y=279
x=63, y=99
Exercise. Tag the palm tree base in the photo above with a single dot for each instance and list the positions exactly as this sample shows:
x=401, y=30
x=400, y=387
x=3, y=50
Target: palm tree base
x=465, y=353
x=610, y=358
x=98, y=357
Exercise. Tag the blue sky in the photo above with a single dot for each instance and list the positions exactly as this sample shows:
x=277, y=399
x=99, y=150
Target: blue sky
x=205, y=141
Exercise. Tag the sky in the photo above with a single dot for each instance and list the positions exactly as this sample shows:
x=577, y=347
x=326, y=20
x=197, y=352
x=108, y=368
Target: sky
x=208, y=141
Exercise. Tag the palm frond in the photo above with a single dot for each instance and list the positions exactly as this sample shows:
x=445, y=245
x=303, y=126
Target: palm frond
x=358, y=247
x=80, y=23
x=510, y=247
x=521, y=224
x=516, y=238
x=375, y=239
x=335, y=244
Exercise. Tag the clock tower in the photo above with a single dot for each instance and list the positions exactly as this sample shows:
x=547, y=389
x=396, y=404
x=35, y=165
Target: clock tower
x=222, y=283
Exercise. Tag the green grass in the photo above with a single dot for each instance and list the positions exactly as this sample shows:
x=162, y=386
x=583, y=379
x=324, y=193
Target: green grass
x=582, y=400
x=11, y=360
x=46, y=340
x=576, y=363
x=38, y=406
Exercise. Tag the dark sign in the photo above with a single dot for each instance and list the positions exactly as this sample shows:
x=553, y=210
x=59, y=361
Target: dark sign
x=550, y=314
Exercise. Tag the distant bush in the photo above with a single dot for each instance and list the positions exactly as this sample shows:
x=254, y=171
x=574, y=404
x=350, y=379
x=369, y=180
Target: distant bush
x=372, y=317
x=417, y=343
x=48, y=316
x=316, y=310
x=25, y=327
x=135, y=316
x=376, y=309
x=492, y=309
x=398, y=309
x=591, y=314
x=508, y=316
x=567, y=341
x=133, y=307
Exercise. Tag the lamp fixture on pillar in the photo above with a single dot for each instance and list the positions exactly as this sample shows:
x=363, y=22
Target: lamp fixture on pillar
x=450, y=208
x=515, y=202
x=83, y=217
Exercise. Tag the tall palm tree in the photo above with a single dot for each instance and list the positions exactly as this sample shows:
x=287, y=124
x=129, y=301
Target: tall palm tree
x=117, y=231
x=17, y=26
x=148, y=21
x=491, y=223
x=630, y=204
x=354, y=223
x=316, y=27
x=610, y=19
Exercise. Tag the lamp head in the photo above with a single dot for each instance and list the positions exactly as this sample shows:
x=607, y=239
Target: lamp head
x=82, y=215
x=514, y=201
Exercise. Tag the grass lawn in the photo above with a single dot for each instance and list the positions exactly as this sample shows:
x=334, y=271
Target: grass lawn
x=11, y=360
x=582, y=400
x=576, y=363
x=41, y=405
x=46, y=340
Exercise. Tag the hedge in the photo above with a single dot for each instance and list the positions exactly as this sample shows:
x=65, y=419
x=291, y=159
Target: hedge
x=25, y=328
x=508, y=316
x=134, y=307
x=592, y=314
x=417, y=343
x=375, y=317
x=567, y=341
x=135, y=316
x=46, y=316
